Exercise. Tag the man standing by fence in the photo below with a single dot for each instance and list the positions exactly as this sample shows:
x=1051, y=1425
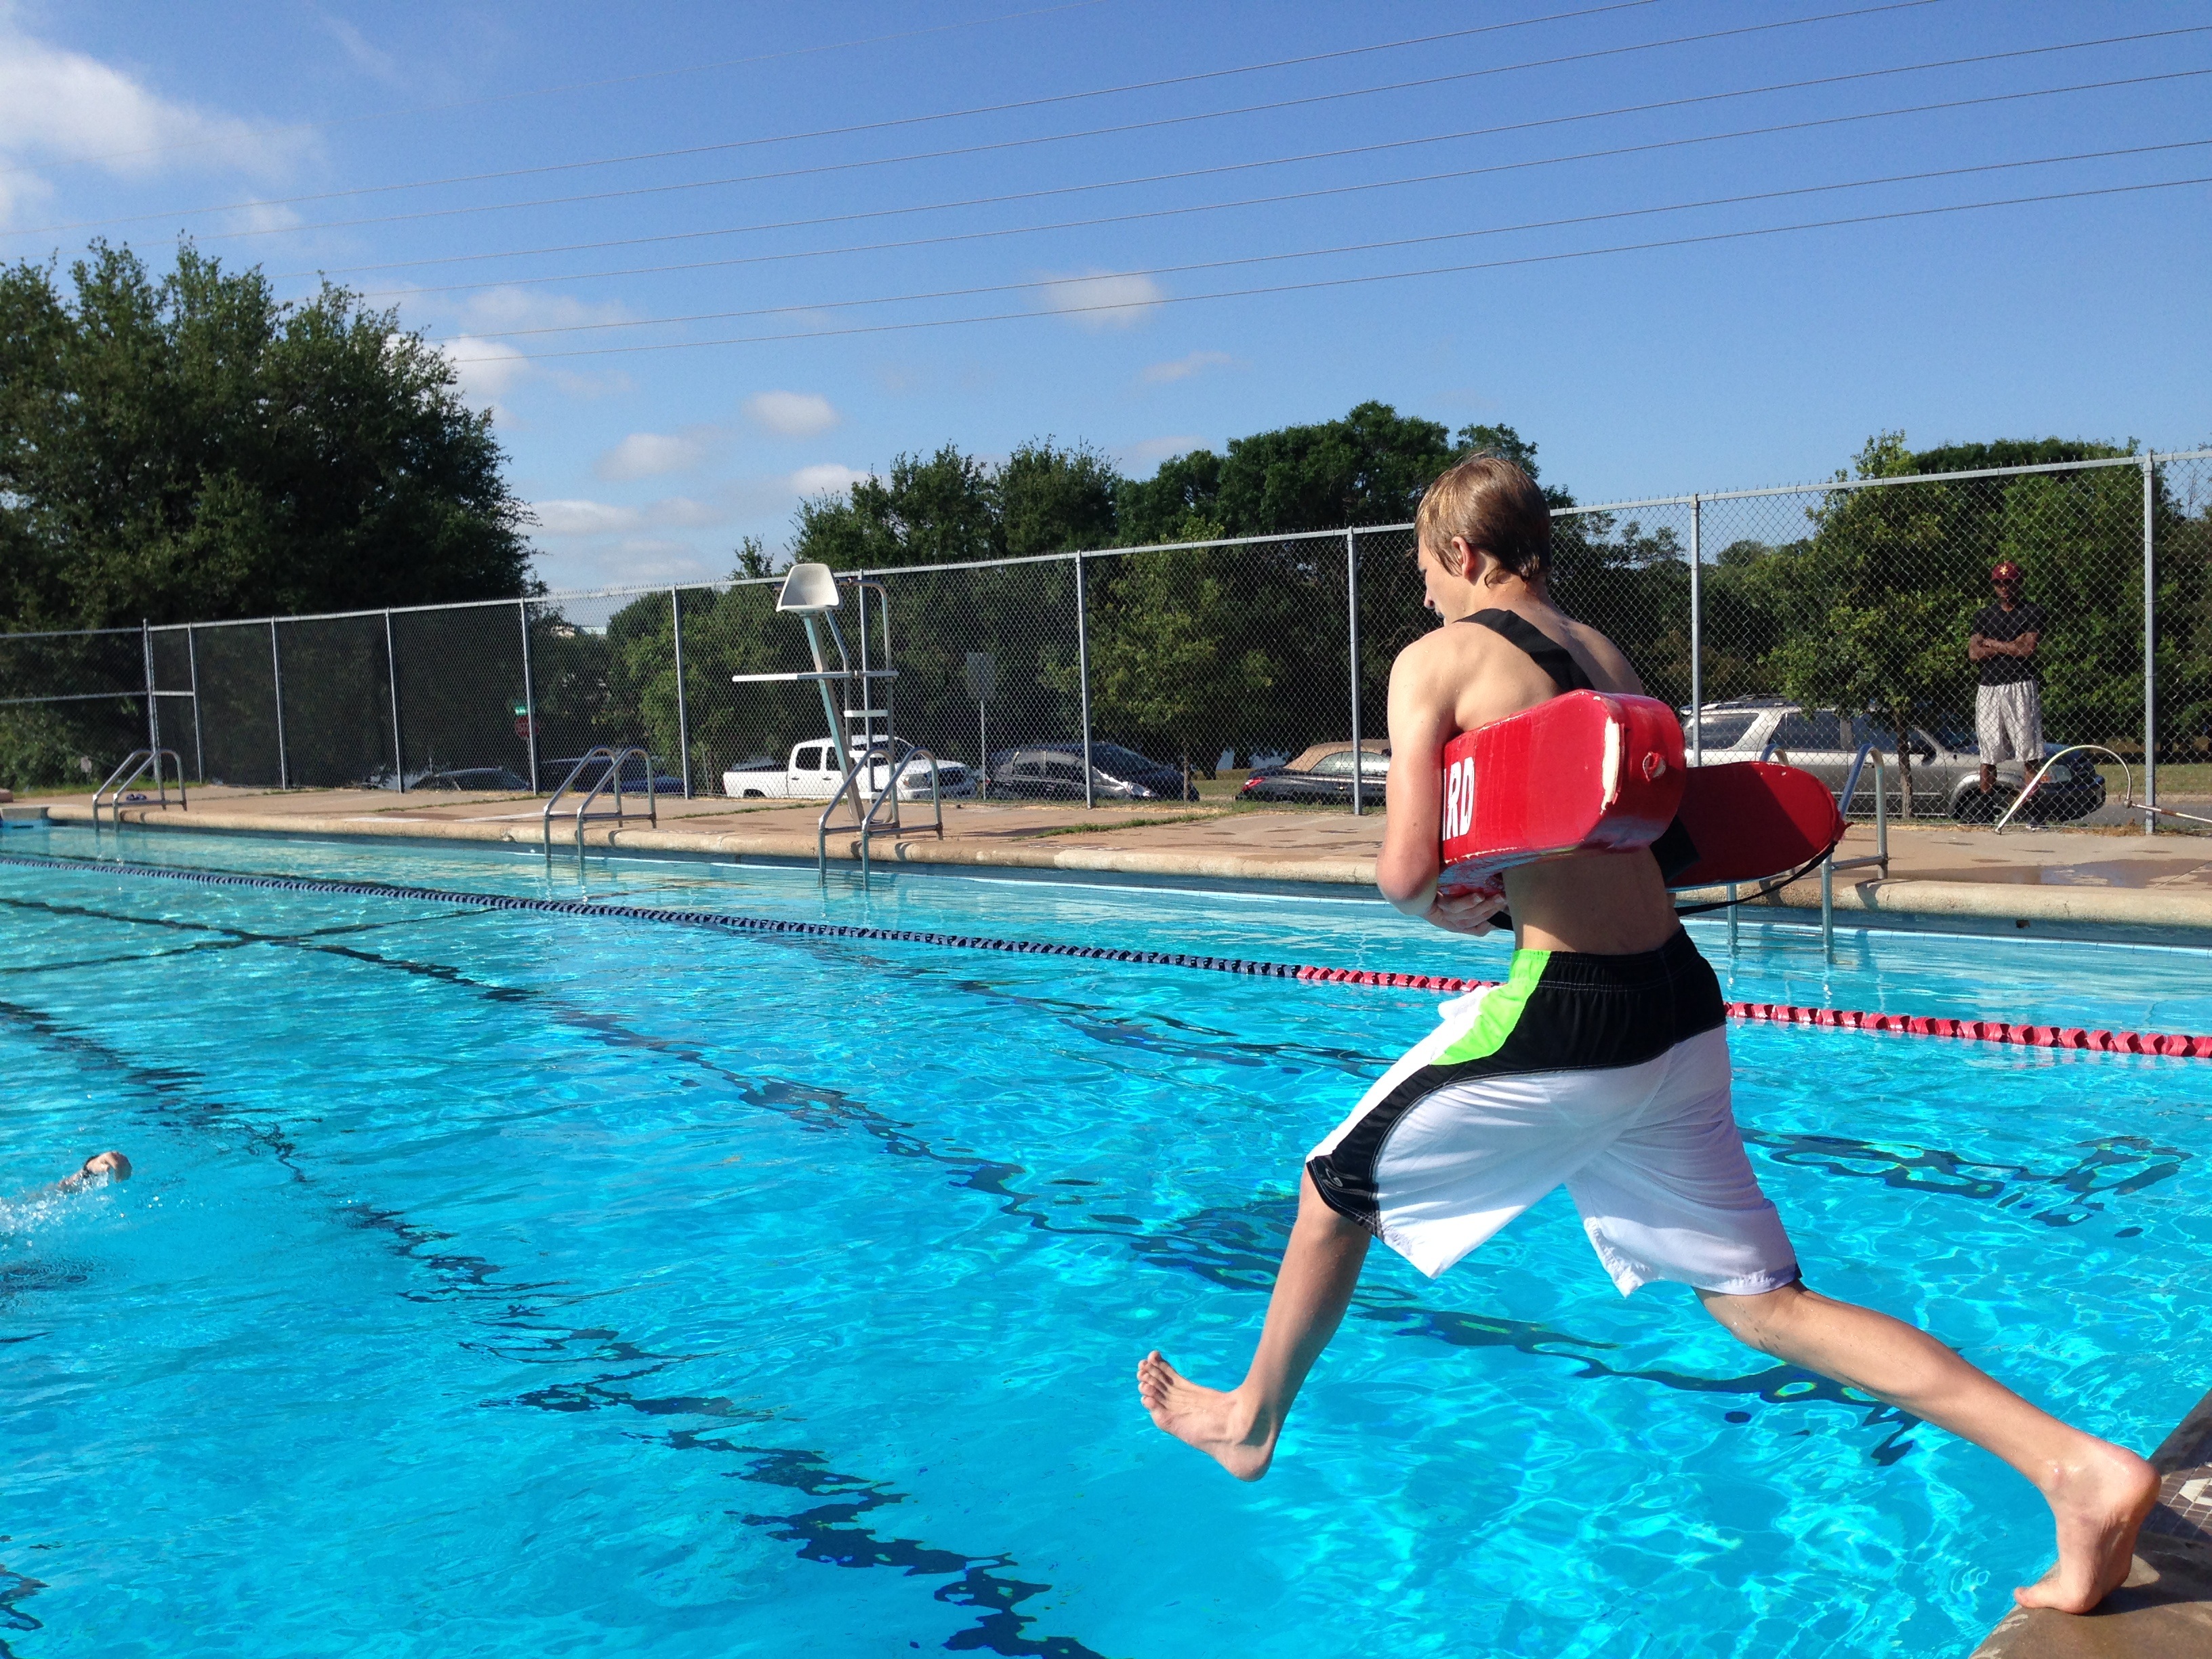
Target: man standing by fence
x=2008, y=703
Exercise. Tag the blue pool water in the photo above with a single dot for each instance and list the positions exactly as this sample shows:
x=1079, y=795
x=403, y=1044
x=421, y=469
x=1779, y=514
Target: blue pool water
x=510, y=1283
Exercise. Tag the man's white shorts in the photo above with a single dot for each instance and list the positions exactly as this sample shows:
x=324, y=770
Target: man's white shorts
x=1606, y=1074
x=2008, y=722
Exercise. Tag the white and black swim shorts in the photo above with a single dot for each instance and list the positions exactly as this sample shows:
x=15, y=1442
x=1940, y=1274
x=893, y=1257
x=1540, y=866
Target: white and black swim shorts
x=1609, y=1074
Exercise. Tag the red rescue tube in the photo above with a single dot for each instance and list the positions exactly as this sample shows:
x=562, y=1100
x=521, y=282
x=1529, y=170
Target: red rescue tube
x=1585, y=772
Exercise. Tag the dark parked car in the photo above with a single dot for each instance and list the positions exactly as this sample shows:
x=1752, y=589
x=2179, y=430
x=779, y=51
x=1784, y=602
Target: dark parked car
x=1322, y=773
x=551, y=772
x=1053, y=771
x=495, y=780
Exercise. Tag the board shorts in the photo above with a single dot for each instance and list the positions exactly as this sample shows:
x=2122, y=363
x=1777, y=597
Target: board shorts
x=1609, y=1074
x=2008, y=722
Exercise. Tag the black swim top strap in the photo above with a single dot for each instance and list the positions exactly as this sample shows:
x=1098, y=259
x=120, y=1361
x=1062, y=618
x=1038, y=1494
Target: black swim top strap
x=1545, y=652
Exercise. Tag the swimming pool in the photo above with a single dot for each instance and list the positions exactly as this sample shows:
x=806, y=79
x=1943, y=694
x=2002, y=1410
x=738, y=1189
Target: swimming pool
x=502, y=1282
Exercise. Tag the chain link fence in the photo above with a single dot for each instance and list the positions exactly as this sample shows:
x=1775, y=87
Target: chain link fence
x=1811, y=622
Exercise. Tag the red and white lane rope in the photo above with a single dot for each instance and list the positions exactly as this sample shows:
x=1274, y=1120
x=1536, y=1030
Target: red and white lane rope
x=2169, y=1044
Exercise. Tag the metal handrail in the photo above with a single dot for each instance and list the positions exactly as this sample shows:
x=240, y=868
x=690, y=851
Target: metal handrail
x=1829, y=865
x=136, y=764
x=613, y=760
x=889, y=791
x=2129, y=803
x=896, y=765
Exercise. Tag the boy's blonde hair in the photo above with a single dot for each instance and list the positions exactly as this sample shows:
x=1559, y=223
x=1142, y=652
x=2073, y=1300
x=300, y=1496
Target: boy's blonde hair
x=1492, y=505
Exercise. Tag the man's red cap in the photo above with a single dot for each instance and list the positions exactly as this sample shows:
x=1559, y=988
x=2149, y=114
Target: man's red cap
x=2006, y=572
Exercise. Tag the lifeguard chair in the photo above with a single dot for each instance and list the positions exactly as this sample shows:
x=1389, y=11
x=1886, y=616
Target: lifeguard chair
x=875, y=760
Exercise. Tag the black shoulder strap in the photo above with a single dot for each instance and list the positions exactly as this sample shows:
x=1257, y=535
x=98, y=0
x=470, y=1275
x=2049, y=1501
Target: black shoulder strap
x=1545, y=652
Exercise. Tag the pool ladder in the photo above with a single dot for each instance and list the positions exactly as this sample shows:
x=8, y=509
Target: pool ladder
x=613, y=759
x=135, y=766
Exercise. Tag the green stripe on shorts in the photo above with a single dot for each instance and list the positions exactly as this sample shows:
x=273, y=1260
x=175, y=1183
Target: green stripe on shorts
x=1499, y=1011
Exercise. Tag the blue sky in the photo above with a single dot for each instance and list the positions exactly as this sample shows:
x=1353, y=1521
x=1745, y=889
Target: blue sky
x=1702, y=365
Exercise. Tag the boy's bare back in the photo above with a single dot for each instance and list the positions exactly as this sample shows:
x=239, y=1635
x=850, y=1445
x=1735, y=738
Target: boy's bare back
x=1458, y=679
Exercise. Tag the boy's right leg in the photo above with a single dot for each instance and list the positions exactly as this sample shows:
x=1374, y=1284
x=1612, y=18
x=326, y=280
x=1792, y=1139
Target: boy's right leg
x=1238, y=1429
x=2099, y=1493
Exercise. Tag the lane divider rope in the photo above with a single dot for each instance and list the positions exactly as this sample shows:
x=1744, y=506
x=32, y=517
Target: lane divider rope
x=2170, y=1044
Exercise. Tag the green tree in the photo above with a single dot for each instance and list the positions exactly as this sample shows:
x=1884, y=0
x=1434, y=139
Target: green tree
x=1368, y=468
x=191, y=448
x=1163, y=662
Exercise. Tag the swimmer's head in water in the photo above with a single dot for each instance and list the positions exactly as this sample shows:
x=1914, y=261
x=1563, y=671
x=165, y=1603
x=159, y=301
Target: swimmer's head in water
x=113, y=1165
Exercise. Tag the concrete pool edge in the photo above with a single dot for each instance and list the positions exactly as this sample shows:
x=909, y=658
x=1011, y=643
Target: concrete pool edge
x=2164, y=1611
x=2085, y=912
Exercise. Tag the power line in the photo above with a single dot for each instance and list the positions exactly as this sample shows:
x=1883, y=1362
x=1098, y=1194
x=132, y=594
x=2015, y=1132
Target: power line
x=1293, y=196
x=1342, y=282
x=574, y=86
x=1050, y=283
x=1185, y=174
x=1003, y=144
x=879, y=126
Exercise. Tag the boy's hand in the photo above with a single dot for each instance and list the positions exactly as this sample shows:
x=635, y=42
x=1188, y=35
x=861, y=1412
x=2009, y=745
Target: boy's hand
x=1465, y=912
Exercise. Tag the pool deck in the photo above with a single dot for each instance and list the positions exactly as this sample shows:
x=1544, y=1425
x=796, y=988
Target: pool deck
x=2112, y=882
x=2164, y=1611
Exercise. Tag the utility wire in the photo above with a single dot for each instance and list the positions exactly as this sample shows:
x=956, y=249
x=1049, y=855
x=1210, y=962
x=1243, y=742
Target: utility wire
x=1288, y=196
x=895, y=121
x=1340, y=281
x=573, y=86
x=1212, y=171
x=976, y=150
x=1052, y=282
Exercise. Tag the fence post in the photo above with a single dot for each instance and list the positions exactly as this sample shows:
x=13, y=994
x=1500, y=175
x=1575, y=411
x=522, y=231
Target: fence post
x=1082, y=680
x=1352, y=636
x=1696, y=633
x=391, y=674
x=529, y=695
x=153, y=713
x=2150, y=645
x=192, y=666
x=277, y=678
x=682, y=714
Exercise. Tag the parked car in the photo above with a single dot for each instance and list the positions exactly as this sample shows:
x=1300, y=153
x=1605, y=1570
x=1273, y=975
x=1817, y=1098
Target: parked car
x=813, y=772
x=1323, y=773
x=551, y=772
x=494, y=780
x=1053, y=771
x=1946, y=763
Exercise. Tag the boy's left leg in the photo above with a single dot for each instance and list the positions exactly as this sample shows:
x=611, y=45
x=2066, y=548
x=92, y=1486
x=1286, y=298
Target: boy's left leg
x=1238, y=1429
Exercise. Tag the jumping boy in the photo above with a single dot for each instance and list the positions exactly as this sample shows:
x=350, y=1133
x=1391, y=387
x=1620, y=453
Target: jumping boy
x=1601, y=1063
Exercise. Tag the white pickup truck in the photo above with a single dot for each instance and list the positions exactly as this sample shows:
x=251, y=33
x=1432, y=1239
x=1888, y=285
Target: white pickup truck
x=813, y=774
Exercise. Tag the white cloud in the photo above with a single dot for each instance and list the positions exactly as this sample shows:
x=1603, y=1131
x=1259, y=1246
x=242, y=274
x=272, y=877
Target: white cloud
x=504, y=310
x=585, y=518
x=1151, y=452
x=372, y=61
x=792, y=414
x=1102, y=299
x=1181, y=368
x=824, y=478
x=649, y=455
x=485, y=367
x=58, y=105
x=682, y=513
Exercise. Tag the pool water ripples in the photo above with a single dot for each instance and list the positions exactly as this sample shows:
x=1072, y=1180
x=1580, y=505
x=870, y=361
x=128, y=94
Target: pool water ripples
x=508, y=1282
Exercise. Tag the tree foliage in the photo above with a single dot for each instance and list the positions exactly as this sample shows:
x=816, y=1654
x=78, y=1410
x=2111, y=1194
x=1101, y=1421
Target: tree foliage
x=189, y=447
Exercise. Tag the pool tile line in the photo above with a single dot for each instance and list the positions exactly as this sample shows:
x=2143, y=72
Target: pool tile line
x=2171, y=1045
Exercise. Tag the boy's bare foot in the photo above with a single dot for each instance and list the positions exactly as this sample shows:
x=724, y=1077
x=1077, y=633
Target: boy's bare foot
x=2099, y=1504
x=1218, y=1424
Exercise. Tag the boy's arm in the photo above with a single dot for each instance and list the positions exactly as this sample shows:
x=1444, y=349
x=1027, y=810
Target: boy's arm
x=1407, y=868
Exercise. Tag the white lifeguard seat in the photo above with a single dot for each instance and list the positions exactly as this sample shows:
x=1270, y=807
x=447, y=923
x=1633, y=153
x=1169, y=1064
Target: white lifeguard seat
x=808, y=589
